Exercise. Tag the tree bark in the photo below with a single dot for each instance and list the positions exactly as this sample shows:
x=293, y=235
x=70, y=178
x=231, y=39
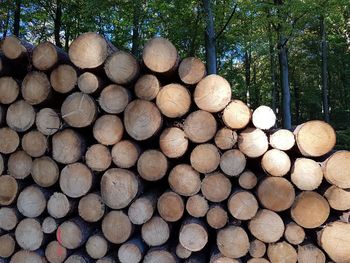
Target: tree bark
x=17, y=18
x=58, y=23
x=324, y=66
x=210, y=45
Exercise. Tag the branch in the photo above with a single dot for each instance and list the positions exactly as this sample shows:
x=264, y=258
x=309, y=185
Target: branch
x=227, y=22
x=293, y=26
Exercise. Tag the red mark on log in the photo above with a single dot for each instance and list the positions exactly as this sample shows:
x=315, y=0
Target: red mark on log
x=60, y=249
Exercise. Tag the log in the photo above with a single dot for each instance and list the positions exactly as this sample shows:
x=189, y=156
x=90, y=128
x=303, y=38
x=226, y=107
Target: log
x=233, y=242
x=121, y=67
x=197, y=206
x=19, y=165
x=79, y=110
x=9, y=90
x=25, y=256
x=159, y=255
x=173, y=142
x=73, y=233
x=217, y=217
x=276, y=193
x=191, y=70
x=35, y=88
x=276, y=162
x=20, y=116
x=205, y=158
x=29, y=235
x=55, y=252
x=160, y=56
x=170, y=206
x=49, y=225
x=89, y=50
x=98, y=157
x=232, y=162
x=108, y=259
x=46, y=55
x=8, y=218
x=152, y=165
x=79, y=258
x=7, y=245
x=131, y=251
x=212, y=93
x=67, y=146
x=118, y=187
x=236, y=115
x=264, y=118
x=45, y=171
x=47, y=121
x=336, y=169
x=257, y=248
x=282, y=139
x=181, y=252
x=294, y=234
x=116, y=227
x=91, y=207
x=147, y=87
x=15, y=48
x=90, y=83
x=315, y=138
x=142, y=209
x=247, y=180
x=253, y=142
x=173, y=100
x=242, y=205
x=96, y=246
x=125, y=154
x=114, y=99
x=218, y=257
x=200, y=126
x=193, y=235
x=108, y=129
x=338, y=198
x=8, y=189
x=216, y=187
x=282, y=252
x=63, y=78
x=266, y=226
x=1, y=164
x=34, y=143
x=76, y=180
x=306, y=174
x=310, y=254
x=12, y=140
x=184, y=180
x=59, y=205
x=155, y=232
x=225, y=138
x=310, y=210
x=31, y=201
x=139, y=113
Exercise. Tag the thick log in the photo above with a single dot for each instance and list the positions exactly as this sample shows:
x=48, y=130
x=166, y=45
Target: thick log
x=242, y=205
x=170, y=206
x=19, y=165
x=108, y=129
x=217, y=216
x=45, y=171
x=8, y=189
x=34, y=143
x=247, y=180
x=121, y=67
x=310, y=254
x=200, y=126
x=47, y=121
x=294, y=234
x=49, y=225
x=310, y=210
x=80, y=257
x=20, y=116
x=12, y=140
x=118, y=187
x=114, y=99
x=173, y=142
x=225, y=138
x=25, y=256
x=9, y=90
x=253, y=142
x=173, y=100
x=46, y=55
x=91, y=208
x=132, y=251
x=276, y=162
x=90, y=83
x=116, y=227
x=191, y=70
x=59, y=205
x=306, y=174
x=63, y=78
x=282, y=139
x=315, y=138
x=282, y=252
x=29, y=235
x=125, y=154
x=181, y=252
x=152, y=165
x=147, y=87
x=233, y=242
x=160, y=56
x=31, y=201
x=205, y=158
x=193, y=235
x=15, y=48
x=155, y=232
x=216, y=187
x=55, y=252
x=98, y=157
x=96, y=246
x=336, y=169
x=73, y=233
x=264, y=118
x=35, y=88
x=236, y=115
x=7, y=245
x=159, y=255
x=266, y=226
x=142, y=209
x=184, y=180
x=338, y=198
x=232, y=162
x=212, y=93
x=8, y=218
x=217, y=257
x=197, y=205
x=257, y=248
x=89, y=50
x=276, y=193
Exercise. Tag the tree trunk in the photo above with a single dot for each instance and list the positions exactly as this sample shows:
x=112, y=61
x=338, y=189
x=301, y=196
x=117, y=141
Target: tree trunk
x=17, y=18
x=324, y=72
x=272, y=71
x=247, y=59
x=210, y=45
x=136, y=28
x=58, y=23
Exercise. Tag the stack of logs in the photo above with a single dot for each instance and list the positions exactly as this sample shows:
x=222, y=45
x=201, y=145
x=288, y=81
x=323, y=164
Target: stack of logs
x=105, y=159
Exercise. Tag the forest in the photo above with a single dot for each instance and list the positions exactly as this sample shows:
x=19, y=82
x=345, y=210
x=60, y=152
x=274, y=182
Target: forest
x=293, y=56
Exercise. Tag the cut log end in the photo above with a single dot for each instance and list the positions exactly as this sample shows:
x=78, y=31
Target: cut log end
x=242, y=205
x=29, y=235
x=282, y=139
x=191, y=70
x=116, y=227
x=9, y=189
x=173, y=142
x=217, y=217
x=63, y=78
x=233, y=242
x=45, y=171
x=184, y=180
x=91, y=207
x=125, y=154
x=205, y=158
x=216, y=187
x=47, y=121
x=197, y=206
x=170, y=206
x=264, y=118
x=152, y=165
x=247, y=180
x=225, y=138
x=193, y=236
x=200, y=126
x=236, y=115
x=147, y=87
x=253, y=142
x=276, y=162
x=9, y=90
x=45, y=56
x=336, y=169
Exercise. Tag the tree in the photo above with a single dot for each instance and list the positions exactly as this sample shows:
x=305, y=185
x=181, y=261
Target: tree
x=17, y=18
x=324, y=70
x=210, y=46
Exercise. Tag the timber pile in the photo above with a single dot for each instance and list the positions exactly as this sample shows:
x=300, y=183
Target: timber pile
x=106, y=159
